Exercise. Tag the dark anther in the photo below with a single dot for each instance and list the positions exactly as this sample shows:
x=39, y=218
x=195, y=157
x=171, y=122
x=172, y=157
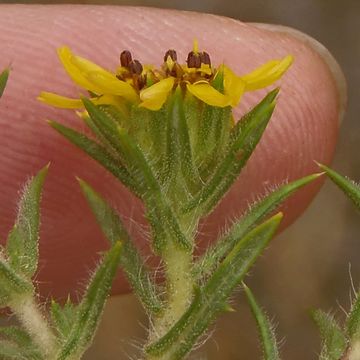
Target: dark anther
x=125, y=58
x=135, y=67
x=172, y=54
x=193, y=60
x=140, y=82
x=205, y=58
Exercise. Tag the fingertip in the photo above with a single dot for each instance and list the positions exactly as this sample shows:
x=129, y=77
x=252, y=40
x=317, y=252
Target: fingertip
x=304, y=126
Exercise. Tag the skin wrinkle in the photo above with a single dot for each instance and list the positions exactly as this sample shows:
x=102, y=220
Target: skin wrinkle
x=304, y=126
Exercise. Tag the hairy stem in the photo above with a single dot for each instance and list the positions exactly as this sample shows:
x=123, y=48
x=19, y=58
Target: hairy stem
x=178, y=264
x=36, y=325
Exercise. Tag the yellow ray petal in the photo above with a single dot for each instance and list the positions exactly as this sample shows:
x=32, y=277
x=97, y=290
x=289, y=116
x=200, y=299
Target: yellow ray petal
x=234, y=86
x=154, y=97
x=267, y=74
x=60, y=101
x=206, y=93
x=77, y=75
x=262, y=69
x=87, y=66
x=111, y=85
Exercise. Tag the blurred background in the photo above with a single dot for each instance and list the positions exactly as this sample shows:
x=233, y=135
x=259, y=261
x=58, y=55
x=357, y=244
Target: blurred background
x=311, y=264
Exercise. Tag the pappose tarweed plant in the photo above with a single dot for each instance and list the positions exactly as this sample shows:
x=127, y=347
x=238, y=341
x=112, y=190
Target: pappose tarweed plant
x=169, y=135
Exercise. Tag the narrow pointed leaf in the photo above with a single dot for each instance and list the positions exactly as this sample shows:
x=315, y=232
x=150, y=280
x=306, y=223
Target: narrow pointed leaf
x=104, y=124
x=333, y=339
x=235, y=159
x=216, y=252
x=22, y=245
x=131, y=260
x=12, y=283
x=353, y=321
x=213, y=298
x=16, y=335
x=218, y=140
x=351, y=189
x=12, y=351
x=19, y=341
x=266, y=332
x=180, y=136
x=97, y=152
x=172, y=154
x=244, y=124
x=4, y=76
x=159, y=212
x=214, y=132
x=63, y=317
x=91, y=307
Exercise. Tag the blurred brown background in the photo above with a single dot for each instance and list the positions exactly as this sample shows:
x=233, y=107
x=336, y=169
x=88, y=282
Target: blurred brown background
x=308, y=265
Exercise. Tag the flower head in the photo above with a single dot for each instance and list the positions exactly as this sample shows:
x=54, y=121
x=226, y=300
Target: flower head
x=149, y=87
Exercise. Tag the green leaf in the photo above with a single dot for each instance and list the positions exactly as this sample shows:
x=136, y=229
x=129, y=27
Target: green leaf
x=334, y=341
x=131, y=260
x=353, y=321
x=18, y=342
x=23, y=241
x=245, y=123
x=12, y=351
x=16, y=335
x=213, y=298
x=9, y=350
x=12, y=283
x=350, y=189
x=267, y=334
x=63, y=317
x=179, y=136
x=210, y=260
x=243, y=145
x=97, y=152
x=160, y=214
x=104, y=124
x=214, y=132
x=4, y=76
x=91, y=307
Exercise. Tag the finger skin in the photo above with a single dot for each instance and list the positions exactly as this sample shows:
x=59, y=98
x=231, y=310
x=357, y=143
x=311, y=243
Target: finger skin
x=303, y=128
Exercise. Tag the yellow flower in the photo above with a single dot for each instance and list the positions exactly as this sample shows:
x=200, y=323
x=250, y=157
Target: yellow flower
x=149, y=87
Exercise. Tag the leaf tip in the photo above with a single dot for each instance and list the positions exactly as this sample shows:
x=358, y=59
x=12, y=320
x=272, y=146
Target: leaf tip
x=278, y=217
x=322, y=167
x=52, y=123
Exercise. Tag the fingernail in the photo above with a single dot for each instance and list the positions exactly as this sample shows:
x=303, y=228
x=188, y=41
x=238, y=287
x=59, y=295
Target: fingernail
x=329, y=59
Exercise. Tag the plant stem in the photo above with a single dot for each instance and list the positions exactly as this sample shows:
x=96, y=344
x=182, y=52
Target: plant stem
x=35, y=323
x=178, y=264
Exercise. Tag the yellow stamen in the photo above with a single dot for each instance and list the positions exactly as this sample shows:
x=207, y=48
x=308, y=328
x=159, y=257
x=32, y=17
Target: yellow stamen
x=170, y=63
x=196, y=47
